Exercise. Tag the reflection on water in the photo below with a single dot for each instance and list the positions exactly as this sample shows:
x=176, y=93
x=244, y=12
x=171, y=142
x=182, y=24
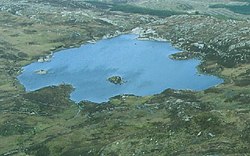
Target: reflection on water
x=144, y=65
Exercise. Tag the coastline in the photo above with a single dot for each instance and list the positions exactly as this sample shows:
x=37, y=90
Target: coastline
x=143, y=34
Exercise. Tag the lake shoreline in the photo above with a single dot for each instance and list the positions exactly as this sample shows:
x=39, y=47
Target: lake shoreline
x=135, y=50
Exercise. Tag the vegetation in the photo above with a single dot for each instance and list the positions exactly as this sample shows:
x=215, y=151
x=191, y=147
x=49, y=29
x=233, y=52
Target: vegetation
x=116, y=80
x=241, y=9
x=133, y=9
x=145, y=11
x=174, y=122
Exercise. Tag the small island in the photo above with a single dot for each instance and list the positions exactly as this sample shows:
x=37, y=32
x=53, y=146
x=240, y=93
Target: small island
x=116, y=80
x=41, y=72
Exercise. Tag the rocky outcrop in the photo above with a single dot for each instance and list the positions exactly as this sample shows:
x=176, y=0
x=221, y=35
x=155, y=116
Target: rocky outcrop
x=118, y=80
x=41, y=72
x=214, y=39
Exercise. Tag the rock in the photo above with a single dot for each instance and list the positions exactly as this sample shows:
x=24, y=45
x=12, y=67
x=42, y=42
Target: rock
x=211, y=135
x=116, y=80
x=45, y=59
x=137, y=30
x=92, y=41
x=199, y=45
x=41, y=72
x=199, y=134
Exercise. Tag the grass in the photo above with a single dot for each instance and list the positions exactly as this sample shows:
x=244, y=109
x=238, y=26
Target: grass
x=46, y=122
x=144, y=11
x=134, y=9
x=241, y=9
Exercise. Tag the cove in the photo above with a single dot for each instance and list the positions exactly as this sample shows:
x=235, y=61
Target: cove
x=144, y=66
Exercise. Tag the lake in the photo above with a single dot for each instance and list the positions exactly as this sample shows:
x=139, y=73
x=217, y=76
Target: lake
x=144, y=66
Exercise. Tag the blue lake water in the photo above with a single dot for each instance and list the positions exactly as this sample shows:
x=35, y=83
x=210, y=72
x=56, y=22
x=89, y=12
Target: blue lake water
x=144, y=65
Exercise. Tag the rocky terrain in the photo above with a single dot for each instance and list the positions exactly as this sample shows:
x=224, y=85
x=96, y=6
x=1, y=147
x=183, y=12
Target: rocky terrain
x=175, y=122
x=118, y=80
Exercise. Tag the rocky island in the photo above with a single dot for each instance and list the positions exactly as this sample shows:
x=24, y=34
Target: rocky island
x=41, y=72
x=118, y=80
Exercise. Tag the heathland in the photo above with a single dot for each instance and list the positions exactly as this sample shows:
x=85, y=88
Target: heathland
x=215, y=121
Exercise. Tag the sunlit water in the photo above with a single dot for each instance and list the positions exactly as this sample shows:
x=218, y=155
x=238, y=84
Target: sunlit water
x=144, y=65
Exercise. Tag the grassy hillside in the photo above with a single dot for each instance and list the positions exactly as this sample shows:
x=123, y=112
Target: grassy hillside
x=241, y=9
x=133, y=9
